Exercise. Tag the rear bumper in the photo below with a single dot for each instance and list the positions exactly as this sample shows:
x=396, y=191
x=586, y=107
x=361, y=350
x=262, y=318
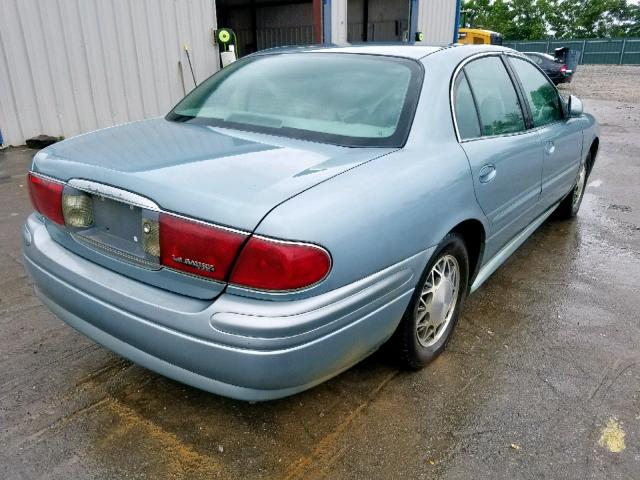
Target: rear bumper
x=234, y=346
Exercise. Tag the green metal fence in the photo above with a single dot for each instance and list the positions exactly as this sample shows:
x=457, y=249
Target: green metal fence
x=617, y=51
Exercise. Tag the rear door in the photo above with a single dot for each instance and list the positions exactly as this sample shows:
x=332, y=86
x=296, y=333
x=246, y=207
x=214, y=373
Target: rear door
x=561, y=137
x=505, y=157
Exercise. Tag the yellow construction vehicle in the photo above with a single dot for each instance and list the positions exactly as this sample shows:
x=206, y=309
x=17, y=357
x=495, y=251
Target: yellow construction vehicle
x=475, y=36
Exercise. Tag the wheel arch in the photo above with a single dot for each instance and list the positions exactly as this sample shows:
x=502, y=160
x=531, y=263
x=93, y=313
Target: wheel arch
x=473, y=234
x=593, y=151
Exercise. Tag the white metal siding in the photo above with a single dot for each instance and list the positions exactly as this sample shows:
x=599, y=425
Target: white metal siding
x=437, y=18
x=71, y=66
x=338, y=21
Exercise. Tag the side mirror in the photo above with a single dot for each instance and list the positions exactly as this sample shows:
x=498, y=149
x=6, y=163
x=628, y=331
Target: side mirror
x=575, y=106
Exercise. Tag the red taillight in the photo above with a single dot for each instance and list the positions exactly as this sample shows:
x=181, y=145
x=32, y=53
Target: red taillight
x=197, y=248
x=563, y=69
x=273, y=265
x=46, y=197
x=264, y=264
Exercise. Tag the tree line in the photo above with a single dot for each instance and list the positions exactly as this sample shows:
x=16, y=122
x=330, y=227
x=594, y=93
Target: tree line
x=536, y=19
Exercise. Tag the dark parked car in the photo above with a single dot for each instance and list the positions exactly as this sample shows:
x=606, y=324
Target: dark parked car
x=555, y=69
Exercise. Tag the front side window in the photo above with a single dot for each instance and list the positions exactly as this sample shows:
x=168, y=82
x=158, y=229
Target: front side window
x=345, y=99
x=465, y=109
x=498, y=106
x=541, y=95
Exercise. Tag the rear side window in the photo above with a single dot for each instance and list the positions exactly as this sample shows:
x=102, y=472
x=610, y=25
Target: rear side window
x=541, y=96
x=465, y=109
x=498, y=106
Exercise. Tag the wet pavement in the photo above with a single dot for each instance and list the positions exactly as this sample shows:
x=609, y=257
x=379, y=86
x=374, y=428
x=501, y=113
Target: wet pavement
x=541, y=378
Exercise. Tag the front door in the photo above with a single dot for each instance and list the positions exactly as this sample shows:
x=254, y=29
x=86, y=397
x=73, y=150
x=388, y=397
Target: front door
x=561, y=138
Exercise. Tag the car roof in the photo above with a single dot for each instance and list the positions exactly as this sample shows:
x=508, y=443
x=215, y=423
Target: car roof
x=414, y=50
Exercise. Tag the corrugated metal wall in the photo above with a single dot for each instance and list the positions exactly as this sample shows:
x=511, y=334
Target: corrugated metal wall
x=71, y=66
x=437, y=18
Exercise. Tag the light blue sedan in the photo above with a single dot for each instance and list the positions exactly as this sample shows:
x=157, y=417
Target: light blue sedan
x=302, y=207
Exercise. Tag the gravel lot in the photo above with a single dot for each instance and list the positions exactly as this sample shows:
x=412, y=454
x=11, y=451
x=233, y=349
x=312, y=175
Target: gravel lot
x=541, y=379
x=620, y=83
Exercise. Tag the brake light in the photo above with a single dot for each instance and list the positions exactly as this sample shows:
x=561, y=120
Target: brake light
x=197, y=248
x=563, y=69
x=46, y=198
x=276, y=265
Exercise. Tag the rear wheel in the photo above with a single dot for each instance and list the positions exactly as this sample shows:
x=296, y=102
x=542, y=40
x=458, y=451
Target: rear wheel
x=569, y=207
x=435, y=306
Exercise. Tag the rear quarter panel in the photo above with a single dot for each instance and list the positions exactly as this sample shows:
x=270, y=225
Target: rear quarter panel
x=378, y=214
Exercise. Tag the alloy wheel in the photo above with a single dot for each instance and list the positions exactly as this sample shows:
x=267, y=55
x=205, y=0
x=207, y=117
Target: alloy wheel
x=437, y=301
x=577, y=192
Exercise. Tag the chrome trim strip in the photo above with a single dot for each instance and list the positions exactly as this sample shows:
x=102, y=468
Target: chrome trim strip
x=499, y=258
x=45, y=177
x=113, y=193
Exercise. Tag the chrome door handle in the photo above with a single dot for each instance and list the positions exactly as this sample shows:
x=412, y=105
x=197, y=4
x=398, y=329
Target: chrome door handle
x=550, y=147
x=487, y=173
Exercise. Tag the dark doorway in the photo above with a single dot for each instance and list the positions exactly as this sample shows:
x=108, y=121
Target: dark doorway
x=378, y=20
x=261, y=24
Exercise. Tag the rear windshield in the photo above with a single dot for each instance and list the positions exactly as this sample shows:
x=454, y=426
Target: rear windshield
x=344, y=99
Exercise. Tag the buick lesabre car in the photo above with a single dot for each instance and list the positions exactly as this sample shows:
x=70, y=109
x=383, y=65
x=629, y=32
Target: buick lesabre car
x=303, y=207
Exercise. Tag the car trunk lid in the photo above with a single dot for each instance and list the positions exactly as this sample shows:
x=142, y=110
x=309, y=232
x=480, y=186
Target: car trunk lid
x=224, y=177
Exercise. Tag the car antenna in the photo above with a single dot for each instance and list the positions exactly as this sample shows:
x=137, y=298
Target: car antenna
x=186, y=49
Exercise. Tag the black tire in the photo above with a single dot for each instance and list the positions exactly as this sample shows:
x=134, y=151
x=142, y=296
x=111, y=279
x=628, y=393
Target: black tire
x=406, y=347
x=570, y=205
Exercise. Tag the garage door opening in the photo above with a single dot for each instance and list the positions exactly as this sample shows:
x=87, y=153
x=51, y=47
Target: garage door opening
x=378, y=20
x=261, y=24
